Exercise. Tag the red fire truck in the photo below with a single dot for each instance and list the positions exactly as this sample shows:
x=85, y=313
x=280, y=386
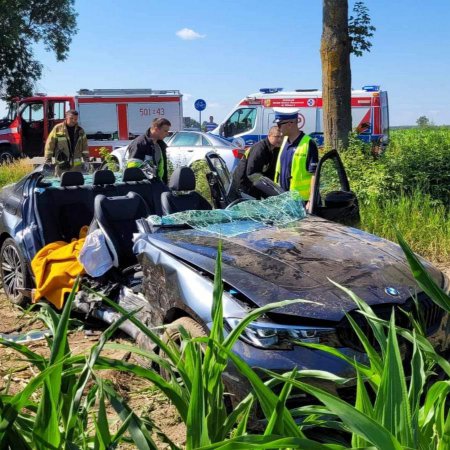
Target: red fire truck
x=110, y=118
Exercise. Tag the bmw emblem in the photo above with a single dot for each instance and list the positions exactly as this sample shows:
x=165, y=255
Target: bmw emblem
x=392, y=292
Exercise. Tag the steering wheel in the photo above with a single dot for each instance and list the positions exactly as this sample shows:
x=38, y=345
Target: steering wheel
x=235, y=202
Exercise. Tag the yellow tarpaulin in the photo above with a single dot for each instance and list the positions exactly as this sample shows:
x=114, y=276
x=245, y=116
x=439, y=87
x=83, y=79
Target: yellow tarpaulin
x=56, y=268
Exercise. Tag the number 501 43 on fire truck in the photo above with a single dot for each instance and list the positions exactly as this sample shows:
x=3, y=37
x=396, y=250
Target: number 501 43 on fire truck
x=110, y=118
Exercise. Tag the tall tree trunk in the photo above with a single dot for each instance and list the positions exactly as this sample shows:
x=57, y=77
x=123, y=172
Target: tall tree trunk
x=336, y=73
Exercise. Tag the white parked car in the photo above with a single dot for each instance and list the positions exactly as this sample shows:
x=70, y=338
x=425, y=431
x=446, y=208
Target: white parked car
x=186, y=147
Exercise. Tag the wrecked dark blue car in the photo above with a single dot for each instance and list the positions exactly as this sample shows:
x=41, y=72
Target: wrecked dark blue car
x=272, y=250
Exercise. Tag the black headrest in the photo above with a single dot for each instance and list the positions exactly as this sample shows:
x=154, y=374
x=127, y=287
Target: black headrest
x=128, y=207
x=72, y=179
x=103, y=177
x=182, y=179
x=133, y=174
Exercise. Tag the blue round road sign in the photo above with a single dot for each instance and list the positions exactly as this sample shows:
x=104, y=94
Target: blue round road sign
x=200, y=104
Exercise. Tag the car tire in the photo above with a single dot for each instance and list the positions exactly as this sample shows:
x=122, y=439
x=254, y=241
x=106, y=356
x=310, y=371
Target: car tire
x=14, y=272
x=6, y=156
x=172, y=334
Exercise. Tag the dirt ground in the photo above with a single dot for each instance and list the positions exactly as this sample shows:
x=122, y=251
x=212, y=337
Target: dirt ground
x=139, y=394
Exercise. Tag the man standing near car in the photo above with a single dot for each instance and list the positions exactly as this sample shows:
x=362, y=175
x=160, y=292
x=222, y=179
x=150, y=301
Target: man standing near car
x=260, y=159
x=150, y=148
x=298, y=156
x=67, y=145
x=211, y=125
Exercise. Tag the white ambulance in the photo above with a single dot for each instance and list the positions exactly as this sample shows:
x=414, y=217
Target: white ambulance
x=254, y=115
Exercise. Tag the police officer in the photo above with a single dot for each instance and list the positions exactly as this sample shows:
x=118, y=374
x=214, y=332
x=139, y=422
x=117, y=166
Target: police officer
x=67, y=145
x=298, y=156
x=259, y=159
x=151, y=148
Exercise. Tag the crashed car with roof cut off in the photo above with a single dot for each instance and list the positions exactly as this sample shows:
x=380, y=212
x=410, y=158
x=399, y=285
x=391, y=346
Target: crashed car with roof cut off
x=272, y=250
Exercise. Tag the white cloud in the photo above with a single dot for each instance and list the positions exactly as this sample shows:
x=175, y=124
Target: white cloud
x=214, y=105
x=189, y=35
x=187, y=97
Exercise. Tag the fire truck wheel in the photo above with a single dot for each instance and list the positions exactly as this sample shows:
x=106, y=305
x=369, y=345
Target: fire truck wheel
x=6, y=156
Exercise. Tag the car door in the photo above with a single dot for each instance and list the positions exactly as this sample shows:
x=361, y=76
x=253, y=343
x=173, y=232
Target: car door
x=332, y=198
x=223, y=193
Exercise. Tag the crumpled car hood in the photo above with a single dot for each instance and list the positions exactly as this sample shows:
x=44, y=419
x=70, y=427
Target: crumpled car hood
x=298, y=261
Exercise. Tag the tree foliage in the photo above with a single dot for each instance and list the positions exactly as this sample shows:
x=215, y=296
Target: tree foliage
x=423, y=122
x=360, y=29
x=24, y=23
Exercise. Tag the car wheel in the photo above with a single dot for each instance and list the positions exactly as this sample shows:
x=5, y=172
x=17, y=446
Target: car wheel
x=172, y=335
x=14, y=272
x=6, y=157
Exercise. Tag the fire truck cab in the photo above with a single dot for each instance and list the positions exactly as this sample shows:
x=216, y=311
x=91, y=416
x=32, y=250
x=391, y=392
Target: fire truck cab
x=253, y=116
x=111, y=118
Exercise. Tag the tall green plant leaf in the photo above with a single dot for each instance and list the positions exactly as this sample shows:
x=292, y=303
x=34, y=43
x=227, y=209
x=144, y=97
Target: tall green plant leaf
x=276, y=423
x=102, y=436
x=377, y=327
x=196, y=425
x=364, y=405
x=416, y=386
x=271, y=442
x=46, y=430
x=358, y=422
x=392, y=404
x=86, y=373
x=423, y=278
x=136, y=427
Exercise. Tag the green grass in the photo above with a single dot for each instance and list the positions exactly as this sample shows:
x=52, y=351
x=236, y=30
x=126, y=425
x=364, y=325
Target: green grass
x=10, y=173
x=422, y=222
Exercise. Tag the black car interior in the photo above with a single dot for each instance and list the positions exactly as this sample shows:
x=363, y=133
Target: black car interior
x=116, y=217
x=63, y=210
x=182, y=195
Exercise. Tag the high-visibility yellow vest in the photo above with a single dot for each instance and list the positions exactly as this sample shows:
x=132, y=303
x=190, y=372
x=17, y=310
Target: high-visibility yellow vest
x=300, y=177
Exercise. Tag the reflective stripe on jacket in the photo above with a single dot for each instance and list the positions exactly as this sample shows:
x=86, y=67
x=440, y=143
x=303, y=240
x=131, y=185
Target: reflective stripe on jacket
x=58, y=145
x=300, y=177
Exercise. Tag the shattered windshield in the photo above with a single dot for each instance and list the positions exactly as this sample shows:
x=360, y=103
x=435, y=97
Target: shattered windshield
x=242, y=218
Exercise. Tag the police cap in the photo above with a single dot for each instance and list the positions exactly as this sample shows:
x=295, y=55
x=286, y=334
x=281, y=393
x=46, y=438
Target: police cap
x=285, y=114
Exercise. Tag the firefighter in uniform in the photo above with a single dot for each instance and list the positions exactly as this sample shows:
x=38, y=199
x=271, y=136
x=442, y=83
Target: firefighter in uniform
x=150, y=148
x=298, y=156
x=259, y=159
x=67, y=145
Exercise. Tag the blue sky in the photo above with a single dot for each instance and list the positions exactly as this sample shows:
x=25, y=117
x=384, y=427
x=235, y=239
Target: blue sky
x=244, y=45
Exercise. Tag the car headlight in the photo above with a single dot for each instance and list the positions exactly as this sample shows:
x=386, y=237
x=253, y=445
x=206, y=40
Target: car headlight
x=276, y=336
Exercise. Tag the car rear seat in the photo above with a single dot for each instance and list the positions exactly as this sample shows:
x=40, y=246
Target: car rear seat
x=134, y=180
x=64, y=210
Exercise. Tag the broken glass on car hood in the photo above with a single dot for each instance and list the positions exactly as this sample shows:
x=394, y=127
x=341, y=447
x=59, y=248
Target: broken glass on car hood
x=244, y=217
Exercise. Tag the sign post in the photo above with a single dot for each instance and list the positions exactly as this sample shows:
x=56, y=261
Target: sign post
x=200, y=105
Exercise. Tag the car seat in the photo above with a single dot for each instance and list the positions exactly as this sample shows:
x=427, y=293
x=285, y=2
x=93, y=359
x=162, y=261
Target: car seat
x=134, y=180
x=182, y=195
x=116, y=217
x=71, y=179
